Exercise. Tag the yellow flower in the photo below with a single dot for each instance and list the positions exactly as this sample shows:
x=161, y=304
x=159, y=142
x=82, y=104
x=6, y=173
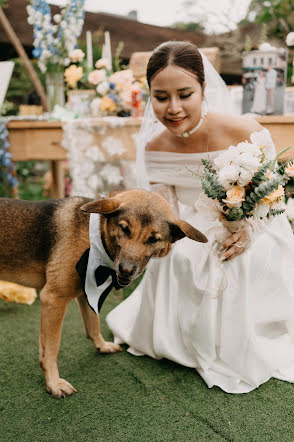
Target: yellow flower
x=107, y=104
x=235, y=196
x=274, y=196
x=72, y=75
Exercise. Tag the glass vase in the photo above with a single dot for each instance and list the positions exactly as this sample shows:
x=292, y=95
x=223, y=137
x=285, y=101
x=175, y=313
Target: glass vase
x=55, y=89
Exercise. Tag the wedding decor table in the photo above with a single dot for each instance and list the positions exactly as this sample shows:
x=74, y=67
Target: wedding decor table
x=92, y=145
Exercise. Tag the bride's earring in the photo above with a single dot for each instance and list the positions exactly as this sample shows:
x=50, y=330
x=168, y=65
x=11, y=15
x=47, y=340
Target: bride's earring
x=204, y=108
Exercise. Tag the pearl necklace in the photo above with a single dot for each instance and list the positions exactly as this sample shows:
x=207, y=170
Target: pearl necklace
x=203, y=115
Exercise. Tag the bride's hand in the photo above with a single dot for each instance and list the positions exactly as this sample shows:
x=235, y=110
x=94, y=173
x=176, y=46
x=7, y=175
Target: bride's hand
x=234, y=245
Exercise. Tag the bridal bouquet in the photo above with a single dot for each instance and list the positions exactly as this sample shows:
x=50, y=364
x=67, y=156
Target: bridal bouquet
x=241, y=184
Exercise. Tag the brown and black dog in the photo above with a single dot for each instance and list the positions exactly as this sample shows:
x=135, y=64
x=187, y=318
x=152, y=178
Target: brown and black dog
x=41, y=242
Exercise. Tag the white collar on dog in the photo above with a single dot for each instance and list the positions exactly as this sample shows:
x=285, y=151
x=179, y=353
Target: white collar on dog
x=97, y=257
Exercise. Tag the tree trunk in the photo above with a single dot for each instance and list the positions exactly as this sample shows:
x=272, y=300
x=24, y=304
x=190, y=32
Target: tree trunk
x=25, y=59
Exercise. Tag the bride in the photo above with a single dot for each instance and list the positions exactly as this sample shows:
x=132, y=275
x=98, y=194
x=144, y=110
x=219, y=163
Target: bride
x=232, y=319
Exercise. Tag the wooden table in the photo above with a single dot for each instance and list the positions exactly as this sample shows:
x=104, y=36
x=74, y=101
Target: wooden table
x=42, y=140
x=39, y=140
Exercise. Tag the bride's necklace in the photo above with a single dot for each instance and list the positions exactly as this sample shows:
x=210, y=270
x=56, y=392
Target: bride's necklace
x=203, y=115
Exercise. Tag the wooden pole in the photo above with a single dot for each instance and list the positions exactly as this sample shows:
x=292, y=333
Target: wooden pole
x=25, y=59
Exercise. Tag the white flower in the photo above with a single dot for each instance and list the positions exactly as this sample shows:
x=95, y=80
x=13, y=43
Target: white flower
x=246, y=147
x=95, y=154
x=111, y=174
x=101, y=63
x=76, y=55
x=57, y=18
x=244, y=177
x=261, y=139
x=290, y=209
x=290, y=39
x=247, y=161
x=113, y=146
x=228, y=176
x=225, y=158
x=260, y=210
x=102, y=88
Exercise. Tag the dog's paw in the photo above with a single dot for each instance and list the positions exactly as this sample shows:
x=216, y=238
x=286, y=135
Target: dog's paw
x=60, y=389
x=109, y=347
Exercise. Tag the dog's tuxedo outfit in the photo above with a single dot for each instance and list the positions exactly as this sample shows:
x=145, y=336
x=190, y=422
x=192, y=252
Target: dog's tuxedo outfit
x=95, y=268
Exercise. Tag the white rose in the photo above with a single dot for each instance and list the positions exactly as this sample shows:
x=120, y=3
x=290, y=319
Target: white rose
x=228, y=176
x=261, y=139
x=260, y=210
x=225, y=158
x=102, y=88
x=247, y=161
x=244, y=177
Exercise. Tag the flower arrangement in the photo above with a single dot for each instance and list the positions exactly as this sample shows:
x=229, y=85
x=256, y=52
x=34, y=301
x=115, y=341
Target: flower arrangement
x=242, y=184
x=8, y=182
x=116, y=93
x=54, y=42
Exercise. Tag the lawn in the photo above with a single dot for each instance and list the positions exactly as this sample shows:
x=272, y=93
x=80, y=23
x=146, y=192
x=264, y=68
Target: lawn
x=122, y=397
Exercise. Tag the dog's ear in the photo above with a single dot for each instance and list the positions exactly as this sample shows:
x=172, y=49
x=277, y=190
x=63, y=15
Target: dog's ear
x=181, y=229
x=103, y=206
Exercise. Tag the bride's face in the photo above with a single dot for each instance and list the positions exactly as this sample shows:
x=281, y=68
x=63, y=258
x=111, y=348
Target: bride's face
x=176, y=97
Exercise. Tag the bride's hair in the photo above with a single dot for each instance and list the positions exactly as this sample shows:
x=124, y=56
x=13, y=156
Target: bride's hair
x=178, y=53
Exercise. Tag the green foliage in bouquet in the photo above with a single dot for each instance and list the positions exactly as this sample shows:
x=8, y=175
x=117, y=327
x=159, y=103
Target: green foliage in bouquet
x=210, y=183
x=256, y=194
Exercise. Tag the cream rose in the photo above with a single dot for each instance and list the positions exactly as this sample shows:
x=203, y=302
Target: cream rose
x=95, y=77
x=235, y=197
x=76, y=55
x=72, y=75
x=274, y=196
x=101, y=63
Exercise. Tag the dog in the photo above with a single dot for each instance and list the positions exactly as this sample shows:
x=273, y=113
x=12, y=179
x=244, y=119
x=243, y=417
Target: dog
x=41, y=243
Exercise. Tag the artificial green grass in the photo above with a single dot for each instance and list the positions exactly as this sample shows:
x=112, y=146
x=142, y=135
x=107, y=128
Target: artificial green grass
x=122, y=397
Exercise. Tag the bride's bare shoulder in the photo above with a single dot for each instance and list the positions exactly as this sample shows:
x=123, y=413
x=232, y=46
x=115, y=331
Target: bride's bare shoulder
x=237, y=127
x=160, y=143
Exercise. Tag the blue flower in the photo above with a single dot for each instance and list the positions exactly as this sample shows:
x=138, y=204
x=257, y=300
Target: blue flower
x=113, y=97
x=111, y=85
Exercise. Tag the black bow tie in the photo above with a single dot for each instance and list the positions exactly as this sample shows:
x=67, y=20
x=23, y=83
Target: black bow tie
x=102, y=273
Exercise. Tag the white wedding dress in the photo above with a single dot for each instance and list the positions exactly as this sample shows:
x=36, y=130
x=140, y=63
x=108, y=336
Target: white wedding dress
x=233, y=321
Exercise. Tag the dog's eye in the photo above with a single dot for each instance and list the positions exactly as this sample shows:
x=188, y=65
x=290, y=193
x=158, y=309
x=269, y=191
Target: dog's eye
x=152, y=240
x=125, y=229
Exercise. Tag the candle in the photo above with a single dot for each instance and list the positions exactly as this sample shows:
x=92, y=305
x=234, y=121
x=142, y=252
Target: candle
x=108, y=50
x=89, y=50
